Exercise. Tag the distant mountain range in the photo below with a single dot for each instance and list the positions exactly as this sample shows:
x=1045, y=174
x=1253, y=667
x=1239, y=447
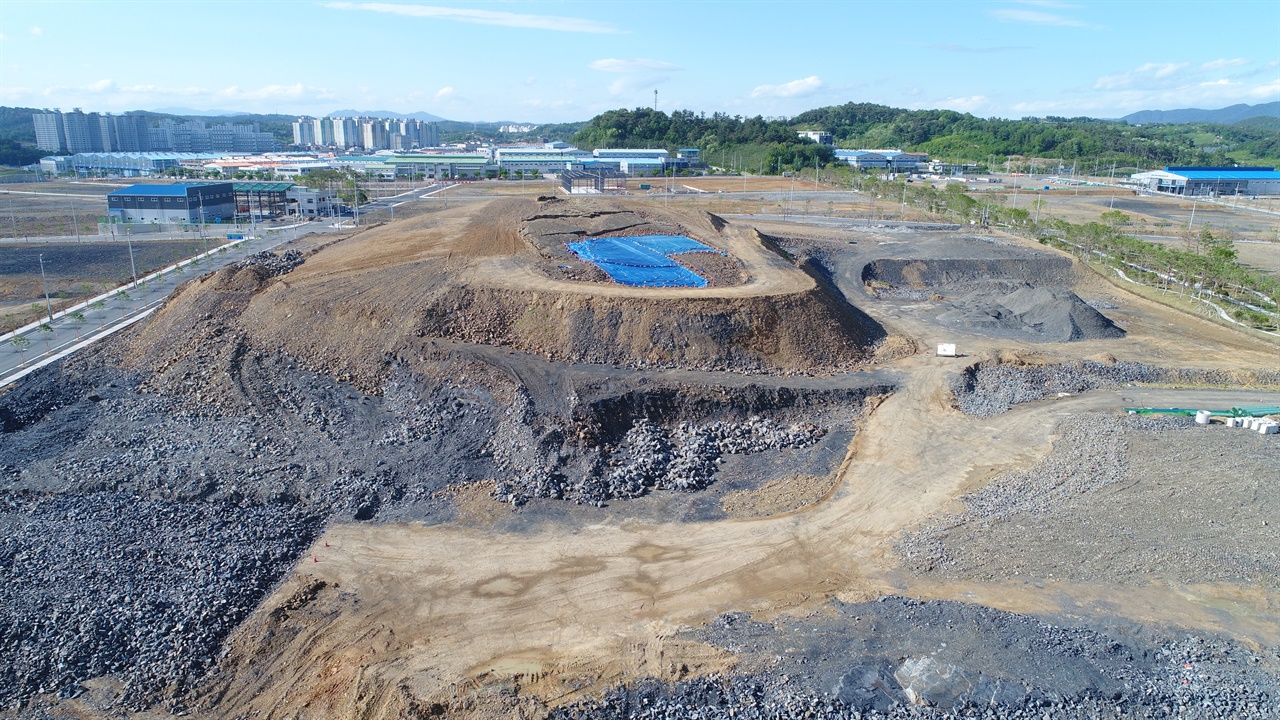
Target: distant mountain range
x=1225, y=116
x=424, y=116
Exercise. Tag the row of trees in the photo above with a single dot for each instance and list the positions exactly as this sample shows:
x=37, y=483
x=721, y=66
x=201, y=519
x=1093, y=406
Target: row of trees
x=1204, y=266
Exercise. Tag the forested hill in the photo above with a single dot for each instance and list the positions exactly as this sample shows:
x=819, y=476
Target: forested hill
x=942, y=134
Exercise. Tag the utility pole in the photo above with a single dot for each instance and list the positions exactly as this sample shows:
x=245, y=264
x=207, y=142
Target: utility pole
x=75, y=220
x=1193, y=212
x=1037, y=208
x=45, y=281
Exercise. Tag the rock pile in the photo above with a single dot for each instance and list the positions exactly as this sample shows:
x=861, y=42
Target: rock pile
x=992, y=388
x=1091, y=454
x=145, y=590
x=898, y=658
x=985, y=389
x=651, y=457
x=271, y=262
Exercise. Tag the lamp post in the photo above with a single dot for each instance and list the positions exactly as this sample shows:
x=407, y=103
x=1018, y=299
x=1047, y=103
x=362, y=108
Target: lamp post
x=75, y=220
x=133, y=265
x=45, y=281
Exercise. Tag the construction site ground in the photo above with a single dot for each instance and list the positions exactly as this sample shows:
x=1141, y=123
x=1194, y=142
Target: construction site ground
x=1058, y=558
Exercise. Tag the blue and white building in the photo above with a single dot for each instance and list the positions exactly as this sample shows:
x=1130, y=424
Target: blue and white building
x=1210, y=181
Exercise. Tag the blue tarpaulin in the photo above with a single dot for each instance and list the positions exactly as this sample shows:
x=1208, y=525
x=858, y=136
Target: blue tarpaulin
x=643, y=260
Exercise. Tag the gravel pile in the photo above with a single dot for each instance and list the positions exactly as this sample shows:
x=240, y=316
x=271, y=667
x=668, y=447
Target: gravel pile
x=109, y=583
x=900, y=293
x=1107, y=508
x=989, y=389
x=1089, y=454
x=1044, y=314
x=985, y=389
x=649, y=457
x=271, y=262
x=900, y=658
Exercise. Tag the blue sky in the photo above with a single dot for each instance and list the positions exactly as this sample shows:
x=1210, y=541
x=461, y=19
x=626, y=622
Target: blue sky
x=560, y=61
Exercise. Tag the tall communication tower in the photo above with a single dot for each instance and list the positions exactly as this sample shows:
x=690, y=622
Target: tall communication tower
x=655, y=100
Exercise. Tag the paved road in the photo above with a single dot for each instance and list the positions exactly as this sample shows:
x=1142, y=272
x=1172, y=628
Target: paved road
x=31, y=347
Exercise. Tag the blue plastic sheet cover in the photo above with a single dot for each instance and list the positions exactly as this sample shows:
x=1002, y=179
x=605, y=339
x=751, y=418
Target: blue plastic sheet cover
x=642, y=260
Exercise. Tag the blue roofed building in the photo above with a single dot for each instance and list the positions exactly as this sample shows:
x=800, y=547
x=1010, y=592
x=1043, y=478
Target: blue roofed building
x=1210, y=181
x=180, y=203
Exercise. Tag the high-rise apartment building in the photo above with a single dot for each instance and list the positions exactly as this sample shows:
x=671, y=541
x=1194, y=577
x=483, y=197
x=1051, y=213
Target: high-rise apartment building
x=304, y=132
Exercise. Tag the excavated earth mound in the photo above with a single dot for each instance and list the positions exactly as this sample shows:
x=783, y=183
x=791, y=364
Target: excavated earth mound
x=489, y=275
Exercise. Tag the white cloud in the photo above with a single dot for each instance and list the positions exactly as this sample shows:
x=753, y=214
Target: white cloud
x=37, y=30
x=1271, y=89
x=963, y=104
x=297, y=91
x=1034, y=17
x=531, y=80
x=629, y=84
x=1224, y=63
x=543, y=103
x=974, y=50
x=444, y=93
x=794, y=89
x=1047, y=4
x=484, y=17
x=636, y=65
x=1179, y=90
x=100, y=86
x=1144, y=74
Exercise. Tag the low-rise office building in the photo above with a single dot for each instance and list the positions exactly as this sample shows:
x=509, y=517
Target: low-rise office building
x=307, y=202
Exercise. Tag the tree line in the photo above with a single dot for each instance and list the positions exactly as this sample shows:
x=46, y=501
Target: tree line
x=943, y=134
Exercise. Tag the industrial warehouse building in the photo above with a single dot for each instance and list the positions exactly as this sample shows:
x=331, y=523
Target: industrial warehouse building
x=895, y=160
x=124, y=164
x=178, y=203
x=1210, y=181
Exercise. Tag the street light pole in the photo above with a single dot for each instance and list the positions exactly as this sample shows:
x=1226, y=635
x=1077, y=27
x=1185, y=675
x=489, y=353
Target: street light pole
x=45, y=281
x=75, y=220
x=132, y=264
